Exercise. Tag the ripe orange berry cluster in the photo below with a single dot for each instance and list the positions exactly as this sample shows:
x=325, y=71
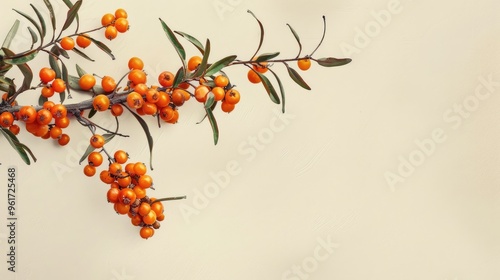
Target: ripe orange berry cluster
x=50, y=83
x=48, y=122
x=128, y=183
x=115, y=23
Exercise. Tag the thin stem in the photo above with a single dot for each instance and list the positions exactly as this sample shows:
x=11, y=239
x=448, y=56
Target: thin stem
x=322, y=37
x=169, y=198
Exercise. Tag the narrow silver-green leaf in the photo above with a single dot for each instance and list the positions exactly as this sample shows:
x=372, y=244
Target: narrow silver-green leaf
x=82, y=54
x=145, y=127
x=65, y=77
x=217, y=66
x=204, y=61
x=297, y=78
x=13, y=141
x=53, y=62
x=173, y=39
x=333, y=62
x=296, y=38
x=12, y=33
x=179, y=77
x=282, y=90
x=269, y=88
x=41, y=20
x=42, y=100
x=192, y=40
x=210, y=100
x=87, y=152
x=213, y=123
x=80, y=71
x=25, y=69
x=34, y=37
x=12, y=58
x=72, y=13
x=30, y=19
x=266, y=56
x=52, y=14
x=261, y=32
x=103, y=47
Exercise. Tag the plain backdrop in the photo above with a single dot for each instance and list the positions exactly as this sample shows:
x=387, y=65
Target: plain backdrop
x=386, y=169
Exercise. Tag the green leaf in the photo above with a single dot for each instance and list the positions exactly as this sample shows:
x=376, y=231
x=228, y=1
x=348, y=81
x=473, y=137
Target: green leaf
x=269, y=88
x=332, y=62
x=87, y=152
x=103, y=47
x=217, y=66
x=30, y=19
x=173, y=39
x=12, y=33
x=296, y=77
x=52, y=14
x=266, y=56
x=7, y=85
x=296, y=38
x=193, y=41
x=210, y=100
x=213, y=123
x=282, y=90
x=62, y=51
x=14, y=59
x=179, y=77
x=65, y=77
x=261, y=32
x=82, y=54
x=55, y=65
x=203, y=65
x=80, y=71
x=144, y=126
x=25, y=70
x=72, y=14
x=20, y=148
x=41, y=20
x=34, y=37
x=42, y=100
x=92, y=112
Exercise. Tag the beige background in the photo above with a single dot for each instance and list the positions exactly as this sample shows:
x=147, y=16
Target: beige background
x=318, y=173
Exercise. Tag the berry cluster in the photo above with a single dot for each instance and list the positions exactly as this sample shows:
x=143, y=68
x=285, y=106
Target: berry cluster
x=128, y=183
x=115, y=23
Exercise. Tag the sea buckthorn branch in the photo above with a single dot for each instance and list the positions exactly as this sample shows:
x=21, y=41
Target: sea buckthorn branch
x=197, y=78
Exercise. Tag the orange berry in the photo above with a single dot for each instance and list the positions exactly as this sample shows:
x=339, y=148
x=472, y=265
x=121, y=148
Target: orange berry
x=83, y=41
x=86, y=82
x=112, y=195
x=140, y=169
x=89, y=170
x=97, y=141
x=6, y=119
x=106, y=177
x=194, y=62
x=219, y=93
x=61, y=122
x=121, y=208
x=101, y=102
x=43, y=117
x=107, y=19
x=146, y=232
x=304, y=64
x=55, y=132
x=58, y=85
x=145, y=181
x=134, y=100
x=253, y=77
x=166, y=79
x=67, y=43
x=63, y=139
x=120, y=156
x=166, y=113
x=108, y=84
x=47, y=75
x=201, y=92
x=163, y=99
x=135, y=63
x=149, y=108
x=260, y=67
x=232, y=96
x=121, y=13
x=116, y=110
x=227, y=107
x=137, y=76
x=149, y=218
x=221, y=81
x=95, y=159
x=15, y=129
x=121, y=25
x=27, y=114
x=110, y=33
x=177, y=97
